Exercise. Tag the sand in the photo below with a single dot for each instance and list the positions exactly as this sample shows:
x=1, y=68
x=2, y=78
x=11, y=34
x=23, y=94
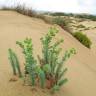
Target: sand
x=81, y=67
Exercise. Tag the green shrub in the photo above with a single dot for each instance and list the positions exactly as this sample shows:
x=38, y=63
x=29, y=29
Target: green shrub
x=30, y=62
x=52, y=63
x=14, y=63
x=31, y=67
x=51, y=70
x=62, y=23
x=85, y=16
x=83, y=39
x=61, y=14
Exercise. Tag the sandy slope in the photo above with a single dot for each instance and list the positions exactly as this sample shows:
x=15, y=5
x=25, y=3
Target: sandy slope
x=82, y=67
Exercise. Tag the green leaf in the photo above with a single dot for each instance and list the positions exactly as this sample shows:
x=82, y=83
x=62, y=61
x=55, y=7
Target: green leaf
x=55, y=88
x=61, y=82
x=47, y=68
x=17, y=64
x=12, y=61
x=61, y=74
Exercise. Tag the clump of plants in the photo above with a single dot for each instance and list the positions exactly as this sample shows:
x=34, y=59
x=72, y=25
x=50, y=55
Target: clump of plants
x=62, y=23
x=52, y=63
x=84, y=16
x=22, y=9
x=80, y=26
x=50, y=71
x=31, y=68
x=83, y=39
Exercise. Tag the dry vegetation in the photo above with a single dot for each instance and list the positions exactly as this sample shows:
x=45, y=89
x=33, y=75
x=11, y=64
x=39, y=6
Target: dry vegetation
x=69, y=22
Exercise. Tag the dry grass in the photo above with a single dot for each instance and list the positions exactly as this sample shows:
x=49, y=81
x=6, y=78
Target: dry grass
x=22, y=9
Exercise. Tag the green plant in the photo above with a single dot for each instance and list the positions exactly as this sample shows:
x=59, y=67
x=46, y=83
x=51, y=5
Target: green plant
x=50, y=72
x=63, y=23
x=83, y=39
x=52, y=64
x=14, y=63
x=86, y=16
x=31, y=67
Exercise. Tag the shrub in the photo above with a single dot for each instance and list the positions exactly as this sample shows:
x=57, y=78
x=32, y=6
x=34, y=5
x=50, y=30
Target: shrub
x=14, y=63
x=62, y=23
x=22, y=9
x=83, y=39
x=61, y=14
x=85, y=16
x=50, y=70
x=25, y=11
x=52, y=64
x=31, y=67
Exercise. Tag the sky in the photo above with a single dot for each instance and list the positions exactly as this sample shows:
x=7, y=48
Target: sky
x=69, y=6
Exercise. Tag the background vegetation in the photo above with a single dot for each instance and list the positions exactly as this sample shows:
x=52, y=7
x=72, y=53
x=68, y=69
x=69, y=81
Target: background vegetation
x=63, y=23
x=83, y=16
x=83, y=39
x=59, y=20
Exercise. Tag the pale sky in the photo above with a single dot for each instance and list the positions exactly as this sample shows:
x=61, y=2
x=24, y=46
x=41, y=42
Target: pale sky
x=70, y=6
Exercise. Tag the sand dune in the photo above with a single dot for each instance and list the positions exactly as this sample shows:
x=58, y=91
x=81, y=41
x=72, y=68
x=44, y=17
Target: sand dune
x=92, y=35
x=82, y=67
